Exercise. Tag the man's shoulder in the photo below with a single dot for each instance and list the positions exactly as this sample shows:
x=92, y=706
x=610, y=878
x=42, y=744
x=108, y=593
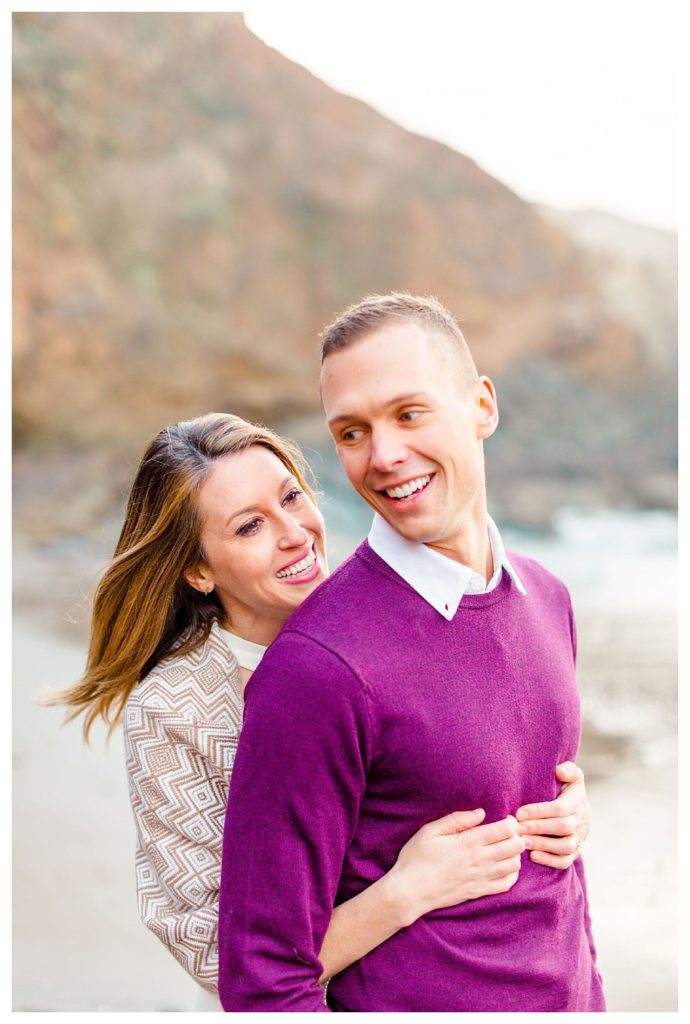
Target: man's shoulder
x=352, y=603
x=352, y=579
x=317, y=653
x=535, y=575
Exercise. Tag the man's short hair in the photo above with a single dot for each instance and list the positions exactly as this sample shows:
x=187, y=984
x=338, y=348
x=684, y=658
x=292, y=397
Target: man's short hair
x=377, y=311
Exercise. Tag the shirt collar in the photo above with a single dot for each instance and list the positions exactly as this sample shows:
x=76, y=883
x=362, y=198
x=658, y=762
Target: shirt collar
x=247, y=653
x=439, y=580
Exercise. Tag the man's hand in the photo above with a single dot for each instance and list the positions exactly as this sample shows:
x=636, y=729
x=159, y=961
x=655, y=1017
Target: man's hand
x=555, y=831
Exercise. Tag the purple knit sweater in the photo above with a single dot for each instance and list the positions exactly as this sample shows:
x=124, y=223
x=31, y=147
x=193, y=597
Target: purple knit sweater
x=370, y=715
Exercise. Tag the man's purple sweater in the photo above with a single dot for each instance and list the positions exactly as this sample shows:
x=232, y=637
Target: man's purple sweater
x=369, y=716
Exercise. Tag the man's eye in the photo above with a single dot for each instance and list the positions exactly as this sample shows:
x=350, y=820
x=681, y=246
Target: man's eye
x=351, y=435
x=410, y=415
x=248, y=528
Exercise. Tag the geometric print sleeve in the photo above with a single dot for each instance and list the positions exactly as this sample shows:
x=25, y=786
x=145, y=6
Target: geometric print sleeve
x=179, y=770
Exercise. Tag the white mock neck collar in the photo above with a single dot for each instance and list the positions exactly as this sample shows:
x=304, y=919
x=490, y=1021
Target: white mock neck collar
x=248, y=654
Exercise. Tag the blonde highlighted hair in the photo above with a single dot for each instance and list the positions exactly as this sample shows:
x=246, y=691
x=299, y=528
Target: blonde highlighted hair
x=144, y=610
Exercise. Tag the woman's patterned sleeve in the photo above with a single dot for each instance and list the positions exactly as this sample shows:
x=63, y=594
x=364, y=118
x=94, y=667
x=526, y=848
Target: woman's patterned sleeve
x=179, y=771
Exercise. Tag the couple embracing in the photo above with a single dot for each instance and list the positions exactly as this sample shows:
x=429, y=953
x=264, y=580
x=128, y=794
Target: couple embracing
x=404, y=817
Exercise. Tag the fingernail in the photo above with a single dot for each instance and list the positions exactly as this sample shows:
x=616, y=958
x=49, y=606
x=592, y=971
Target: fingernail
x=521, y=815
x=528, y=842
x=521, y=829
x=536, y=857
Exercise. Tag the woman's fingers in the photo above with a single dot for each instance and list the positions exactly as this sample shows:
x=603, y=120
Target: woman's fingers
x=502, y=884
x=510, y=847
x=569, y=772
x=562, y=846
x=496, y=832
x=564, y=826
x=453, y=823
x=452, y=860
x=503, y=857
x=551, y=860
x=502, y=868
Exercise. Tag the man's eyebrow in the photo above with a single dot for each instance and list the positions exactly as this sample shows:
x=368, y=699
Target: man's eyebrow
x=396, y=400
x=253, y=508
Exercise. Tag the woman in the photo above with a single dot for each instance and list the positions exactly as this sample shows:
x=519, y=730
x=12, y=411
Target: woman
x=222, y=541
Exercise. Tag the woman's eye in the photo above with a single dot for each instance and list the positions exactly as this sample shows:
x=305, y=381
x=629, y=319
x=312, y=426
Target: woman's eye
x=292, y=496
x=251, y=526
x=410, y=415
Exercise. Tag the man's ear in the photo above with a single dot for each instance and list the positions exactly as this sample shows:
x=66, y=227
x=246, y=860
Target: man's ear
x=199, y=577
x=487, y=408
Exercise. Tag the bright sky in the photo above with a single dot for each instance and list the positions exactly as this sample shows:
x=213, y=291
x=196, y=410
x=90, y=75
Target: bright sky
x=568, y=103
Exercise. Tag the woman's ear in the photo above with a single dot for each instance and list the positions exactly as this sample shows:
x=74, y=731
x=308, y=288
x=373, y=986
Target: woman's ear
x=487, y=408
x=199, y=577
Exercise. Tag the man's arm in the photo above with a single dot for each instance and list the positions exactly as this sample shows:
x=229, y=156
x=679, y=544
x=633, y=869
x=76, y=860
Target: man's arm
x=294, y=800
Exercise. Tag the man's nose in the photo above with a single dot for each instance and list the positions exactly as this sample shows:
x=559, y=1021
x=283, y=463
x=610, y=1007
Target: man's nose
x=387, y=451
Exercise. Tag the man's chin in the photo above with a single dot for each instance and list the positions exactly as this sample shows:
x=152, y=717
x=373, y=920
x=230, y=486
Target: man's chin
x=412, y=528
x=417, y=532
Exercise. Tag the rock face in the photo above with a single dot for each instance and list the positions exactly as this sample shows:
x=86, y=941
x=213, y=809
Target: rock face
x=191, y=208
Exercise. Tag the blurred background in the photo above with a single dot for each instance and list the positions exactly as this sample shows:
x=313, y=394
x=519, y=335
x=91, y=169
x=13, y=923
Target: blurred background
x=195, y=196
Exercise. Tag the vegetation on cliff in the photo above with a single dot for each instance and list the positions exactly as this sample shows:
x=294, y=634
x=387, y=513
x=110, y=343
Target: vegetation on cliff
x=190, y=208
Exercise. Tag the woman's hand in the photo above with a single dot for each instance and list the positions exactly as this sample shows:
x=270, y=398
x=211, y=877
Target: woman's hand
x=452, y=860
x=555, y=831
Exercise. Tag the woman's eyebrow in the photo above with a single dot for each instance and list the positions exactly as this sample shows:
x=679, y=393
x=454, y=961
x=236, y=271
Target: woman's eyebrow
x=254, y=508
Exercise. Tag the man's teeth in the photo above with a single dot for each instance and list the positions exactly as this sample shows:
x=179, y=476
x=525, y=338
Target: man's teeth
x=292, y=570
x=407, y=489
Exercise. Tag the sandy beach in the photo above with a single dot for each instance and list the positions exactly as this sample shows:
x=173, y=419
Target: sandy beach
x=78, y=943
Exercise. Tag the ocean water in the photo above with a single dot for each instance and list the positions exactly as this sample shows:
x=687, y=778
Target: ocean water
x=610, y=558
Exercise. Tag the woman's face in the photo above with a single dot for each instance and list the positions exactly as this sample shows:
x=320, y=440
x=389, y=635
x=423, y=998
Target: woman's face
x=263, y=540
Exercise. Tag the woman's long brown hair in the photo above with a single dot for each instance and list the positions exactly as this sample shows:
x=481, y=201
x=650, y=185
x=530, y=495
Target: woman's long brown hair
x=144, y=610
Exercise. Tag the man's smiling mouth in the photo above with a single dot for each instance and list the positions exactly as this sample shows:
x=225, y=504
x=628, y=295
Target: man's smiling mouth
x=403, y=492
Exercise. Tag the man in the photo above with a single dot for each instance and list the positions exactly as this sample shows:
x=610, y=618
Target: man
x=429, y=674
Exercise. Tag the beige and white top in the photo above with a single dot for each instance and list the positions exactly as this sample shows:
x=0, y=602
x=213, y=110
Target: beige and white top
x=181, y=727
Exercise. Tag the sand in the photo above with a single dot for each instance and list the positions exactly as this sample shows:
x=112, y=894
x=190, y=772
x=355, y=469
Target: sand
x=78, y=943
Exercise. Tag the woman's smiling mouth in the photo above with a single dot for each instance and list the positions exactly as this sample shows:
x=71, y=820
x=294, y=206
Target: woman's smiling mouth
x=305, y=569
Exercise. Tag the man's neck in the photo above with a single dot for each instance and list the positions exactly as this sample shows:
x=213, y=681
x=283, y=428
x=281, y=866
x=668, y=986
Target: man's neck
x=470, y=546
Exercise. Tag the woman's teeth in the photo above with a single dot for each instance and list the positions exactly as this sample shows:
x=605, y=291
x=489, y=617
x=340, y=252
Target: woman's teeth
x=407, y=489
x=292, y=570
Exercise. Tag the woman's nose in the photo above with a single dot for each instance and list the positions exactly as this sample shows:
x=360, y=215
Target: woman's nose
x=293, y=534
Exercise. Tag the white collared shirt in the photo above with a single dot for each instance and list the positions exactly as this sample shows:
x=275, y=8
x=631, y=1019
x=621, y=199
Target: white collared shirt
x=439, y=580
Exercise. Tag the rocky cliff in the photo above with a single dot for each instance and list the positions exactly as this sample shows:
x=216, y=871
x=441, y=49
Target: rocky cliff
x=190, y=208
